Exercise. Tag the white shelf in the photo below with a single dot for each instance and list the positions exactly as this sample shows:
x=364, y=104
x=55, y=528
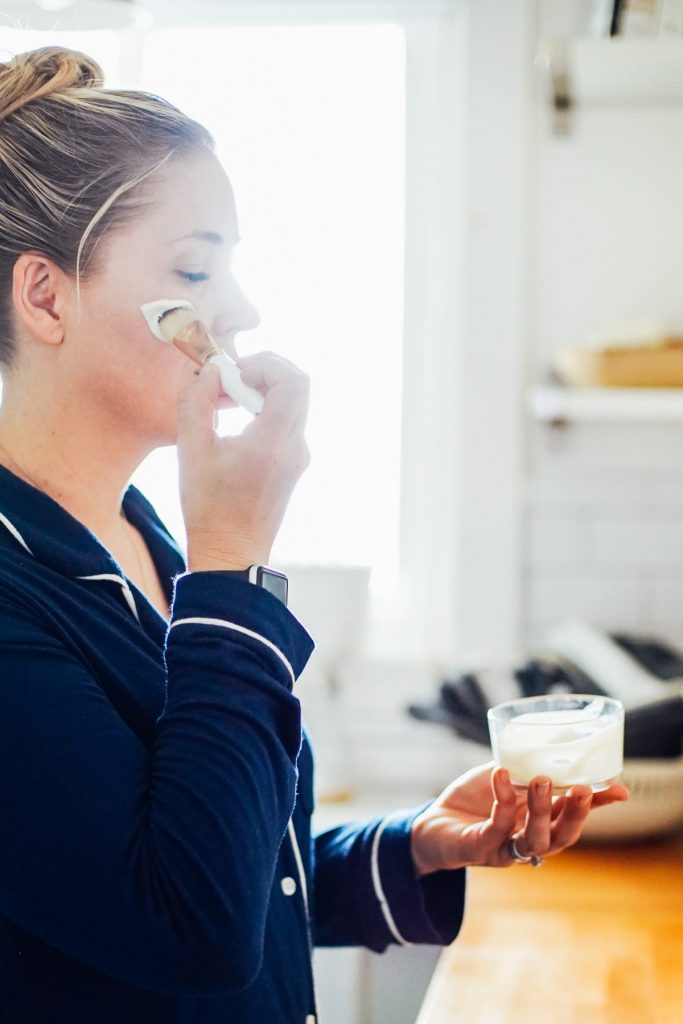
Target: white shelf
x=613, y=70
x=558, y=404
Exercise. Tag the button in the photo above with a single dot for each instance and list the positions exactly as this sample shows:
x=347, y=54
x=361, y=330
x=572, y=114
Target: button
x=310, y=1019
x=288, y=886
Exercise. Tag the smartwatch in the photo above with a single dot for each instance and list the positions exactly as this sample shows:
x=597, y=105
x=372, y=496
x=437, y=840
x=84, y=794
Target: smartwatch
x=263, y=576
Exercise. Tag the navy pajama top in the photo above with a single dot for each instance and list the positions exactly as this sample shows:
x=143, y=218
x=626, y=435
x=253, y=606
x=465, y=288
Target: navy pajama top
x=156, y=788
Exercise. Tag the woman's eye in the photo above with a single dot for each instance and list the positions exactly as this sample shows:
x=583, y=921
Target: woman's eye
x=189, y=275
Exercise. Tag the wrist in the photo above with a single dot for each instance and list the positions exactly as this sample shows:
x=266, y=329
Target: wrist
x=207, y=558
x=208, y=563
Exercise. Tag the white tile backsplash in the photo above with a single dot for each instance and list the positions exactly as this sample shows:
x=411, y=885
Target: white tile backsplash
x=627, y=541
x=665, y=491
x=551, y=493
x=667, y=605
x=608, y=599
x=604, y=528
x=556, y=541
x=365, y=742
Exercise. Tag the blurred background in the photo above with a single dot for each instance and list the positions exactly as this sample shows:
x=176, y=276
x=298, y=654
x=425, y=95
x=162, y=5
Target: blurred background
x=463, y=219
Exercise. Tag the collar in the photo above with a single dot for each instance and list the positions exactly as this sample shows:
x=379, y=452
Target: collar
x=50, y=534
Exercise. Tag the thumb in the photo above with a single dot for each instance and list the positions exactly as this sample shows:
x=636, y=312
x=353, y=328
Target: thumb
x=196, y=409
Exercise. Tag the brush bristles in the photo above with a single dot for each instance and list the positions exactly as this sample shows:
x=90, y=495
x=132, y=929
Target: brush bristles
x=171, y=322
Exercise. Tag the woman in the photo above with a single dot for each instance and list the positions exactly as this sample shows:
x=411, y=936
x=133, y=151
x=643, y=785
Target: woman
x=157, y=862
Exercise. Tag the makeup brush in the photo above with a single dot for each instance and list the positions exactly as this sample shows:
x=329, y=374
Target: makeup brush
x=177, y=322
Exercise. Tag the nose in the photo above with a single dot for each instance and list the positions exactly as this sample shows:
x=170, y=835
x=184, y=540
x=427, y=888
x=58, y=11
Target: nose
x=237, y=313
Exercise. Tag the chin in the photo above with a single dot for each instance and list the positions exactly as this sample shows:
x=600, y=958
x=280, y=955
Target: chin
x=155, y=422
x=156, y=414
x=166, y=433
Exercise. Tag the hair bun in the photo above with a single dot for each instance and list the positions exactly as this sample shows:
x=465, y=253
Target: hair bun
x=38, y=73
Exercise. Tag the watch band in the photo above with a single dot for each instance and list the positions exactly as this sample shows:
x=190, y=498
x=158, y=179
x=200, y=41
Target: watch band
x=271, y=580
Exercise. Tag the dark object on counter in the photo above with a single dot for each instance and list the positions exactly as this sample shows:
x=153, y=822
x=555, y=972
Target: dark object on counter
x=657, y=657
x=461, y=705
x=464, y=700
x=554, y=675
x=617, y=11
x=655, y=730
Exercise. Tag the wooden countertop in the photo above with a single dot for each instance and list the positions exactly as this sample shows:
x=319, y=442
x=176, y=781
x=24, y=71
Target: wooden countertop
x=595, y=935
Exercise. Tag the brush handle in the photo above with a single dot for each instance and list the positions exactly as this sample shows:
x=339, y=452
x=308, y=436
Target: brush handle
x=234, y=386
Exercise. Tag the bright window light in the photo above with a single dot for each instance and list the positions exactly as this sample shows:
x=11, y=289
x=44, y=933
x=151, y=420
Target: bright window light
x=107, y=30
x=309, y=122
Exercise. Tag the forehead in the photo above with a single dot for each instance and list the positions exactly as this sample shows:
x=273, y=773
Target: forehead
x=191, y=194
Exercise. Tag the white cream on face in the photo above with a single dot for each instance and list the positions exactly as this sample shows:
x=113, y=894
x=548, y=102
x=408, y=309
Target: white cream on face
x=231, y=377
x=153, y=312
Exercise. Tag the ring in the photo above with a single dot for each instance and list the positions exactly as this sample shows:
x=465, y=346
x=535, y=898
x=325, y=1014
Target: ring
x=534, y=860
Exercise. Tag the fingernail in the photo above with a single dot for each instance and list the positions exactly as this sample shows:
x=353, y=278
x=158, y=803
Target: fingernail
x=543, y=788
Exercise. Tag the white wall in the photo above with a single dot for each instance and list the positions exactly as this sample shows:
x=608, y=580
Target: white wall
x=604, y=503
x=608, y=218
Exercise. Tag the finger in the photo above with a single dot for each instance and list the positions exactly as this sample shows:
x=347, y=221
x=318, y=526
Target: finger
x=535, y=836
x=285, y=390
x=196, y=407
x=615, y=792
x=257, y=368
x=569, y=823
x=226, y=402
x=253, y=357
x=262, y=369
x=501, y=823
x=558, y=804
x=223, y=401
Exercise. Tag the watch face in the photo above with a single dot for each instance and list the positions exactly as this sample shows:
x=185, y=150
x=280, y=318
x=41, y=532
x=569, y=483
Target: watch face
x=275, y=582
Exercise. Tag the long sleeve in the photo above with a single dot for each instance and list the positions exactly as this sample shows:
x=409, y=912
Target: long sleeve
x=367, y=893
x=155, y=863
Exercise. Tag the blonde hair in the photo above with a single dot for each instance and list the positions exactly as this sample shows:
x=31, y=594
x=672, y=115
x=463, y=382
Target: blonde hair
x=74, y=158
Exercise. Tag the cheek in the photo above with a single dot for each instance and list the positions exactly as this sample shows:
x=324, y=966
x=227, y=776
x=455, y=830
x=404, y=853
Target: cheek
x=127, y=346
x=134, y=374
x=134, y=377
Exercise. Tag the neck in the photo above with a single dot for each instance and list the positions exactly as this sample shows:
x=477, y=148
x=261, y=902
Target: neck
x=83, y=466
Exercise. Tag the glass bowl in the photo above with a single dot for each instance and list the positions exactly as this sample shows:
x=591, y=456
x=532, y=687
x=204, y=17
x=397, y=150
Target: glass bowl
x=573, y=738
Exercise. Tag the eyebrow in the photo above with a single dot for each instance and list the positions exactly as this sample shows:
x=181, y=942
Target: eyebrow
x=206, y=236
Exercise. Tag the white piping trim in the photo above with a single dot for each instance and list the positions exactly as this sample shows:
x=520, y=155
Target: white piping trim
x=15, y=533
x=127, y=593
x=379, y=891
x=304, y=892
x=299, y=863
x=239, y=629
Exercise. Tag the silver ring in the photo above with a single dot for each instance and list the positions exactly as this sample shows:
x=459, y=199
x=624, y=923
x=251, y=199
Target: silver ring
x=534, y=860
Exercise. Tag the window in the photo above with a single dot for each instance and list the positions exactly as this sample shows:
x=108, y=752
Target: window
x=309, y=123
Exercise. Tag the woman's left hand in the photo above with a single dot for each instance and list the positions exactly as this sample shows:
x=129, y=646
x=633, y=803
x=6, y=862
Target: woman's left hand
x=474, y=818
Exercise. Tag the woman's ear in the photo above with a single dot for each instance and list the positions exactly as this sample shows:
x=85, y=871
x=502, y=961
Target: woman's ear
x=39, y=293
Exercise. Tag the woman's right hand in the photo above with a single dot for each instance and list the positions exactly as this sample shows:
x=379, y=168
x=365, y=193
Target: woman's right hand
x=234, y=491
